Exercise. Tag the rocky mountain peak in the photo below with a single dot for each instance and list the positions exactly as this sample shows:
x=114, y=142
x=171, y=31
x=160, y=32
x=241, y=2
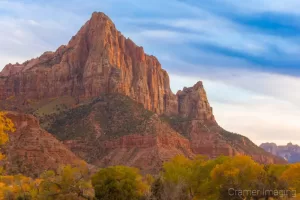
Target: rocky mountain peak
x=110, y=103
x=100, y=60
x=11, y=69
x=193, y=103
x=290, y=152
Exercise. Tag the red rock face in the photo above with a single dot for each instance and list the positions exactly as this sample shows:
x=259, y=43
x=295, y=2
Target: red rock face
x=146, y=152
x=193, y=103
x=10, y=69
x=289, y=152
x=98, y=60
x=31, y=150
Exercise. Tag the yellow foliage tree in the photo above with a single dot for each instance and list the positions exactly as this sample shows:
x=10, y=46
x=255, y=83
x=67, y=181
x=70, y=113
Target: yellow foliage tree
x=67, y=183
x=6, y=125
x=177, y=177
x=292, y=177
x=239, y=173
x=178, y=169
x=183, y=178
x=18, y=187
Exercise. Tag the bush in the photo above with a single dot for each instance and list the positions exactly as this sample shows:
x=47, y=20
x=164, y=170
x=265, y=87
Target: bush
x=119, y=183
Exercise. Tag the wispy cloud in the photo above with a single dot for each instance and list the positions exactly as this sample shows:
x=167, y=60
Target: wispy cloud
x=259, y=6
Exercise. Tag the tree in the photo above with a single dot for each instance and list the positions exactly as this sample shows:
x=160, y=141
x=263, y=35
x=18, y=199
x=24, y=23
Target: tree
x=157, y=189
x=202, y=182
x=292, y=176
x=272, y=181
x=184, y=178
x=18, y=187
x=119, y=183
x=237, y=178
x=67, y=183
x=177, y=178
x=6, y=125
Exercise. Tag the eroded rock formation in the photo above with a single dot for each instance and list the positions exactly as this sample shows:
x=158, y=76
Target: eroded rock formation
x=99, y=62
x=31, y=150
x=99, y=59
x=290, y=152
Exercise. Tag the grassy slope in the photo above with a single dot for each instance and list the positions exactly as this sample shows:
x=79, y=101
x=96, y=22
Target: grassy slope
x=237, y=141
x=117, y=115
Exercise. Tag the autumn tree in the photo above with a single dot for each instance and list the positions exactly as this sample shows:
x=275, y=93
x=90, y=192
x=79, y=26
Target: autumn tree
x=119, y=183
x=66, y=183
x=177, y=176
x=6, y=125
x=13, y=187
x=18, y=187
x=184, y=178
x=202, y=182
x=237, y=177
x=292, y=177
x=272, y=181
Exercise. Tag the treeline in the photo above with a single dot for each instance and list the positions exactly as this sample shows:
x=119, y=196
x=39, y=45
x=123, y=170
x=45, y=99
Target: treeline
x=223, y=178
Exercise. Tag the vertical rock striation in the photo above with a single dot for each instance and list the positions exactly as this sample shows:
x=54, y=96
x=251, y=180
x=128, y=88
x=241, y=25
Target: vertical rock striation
x=99, y=60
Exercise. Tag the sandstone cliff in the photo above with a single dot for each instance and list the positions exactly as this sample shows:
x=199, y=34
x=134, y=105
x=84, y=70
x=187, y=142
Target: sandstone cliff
x=31, y=150
x=100, y=62
x=99, y=59
x=10, y=69
x=289, y=152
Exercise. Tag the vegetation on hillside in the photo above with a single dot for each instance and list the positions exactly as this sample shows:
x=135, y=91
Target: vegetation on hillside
x=223, y=178
x=117, y=115
x=183, y=125
x=6, y=126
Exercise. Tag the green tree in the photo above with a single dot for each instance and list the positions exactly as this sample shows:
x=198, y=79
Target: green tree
x=119, y=183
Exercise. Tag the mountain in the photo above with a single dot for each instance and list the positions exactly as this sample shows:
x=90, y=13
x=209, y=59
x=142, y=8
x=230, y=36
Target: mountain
x=113, y=129
x=289, y=152
x=111, y=103
x=31, y=150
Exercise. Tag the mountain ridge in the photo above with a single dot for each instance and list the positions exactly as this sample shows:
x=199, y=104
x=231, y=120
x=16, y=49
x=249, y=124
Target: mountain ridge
x=290, y=152
x=31, y=150
x=124, y=68
x=99, y=62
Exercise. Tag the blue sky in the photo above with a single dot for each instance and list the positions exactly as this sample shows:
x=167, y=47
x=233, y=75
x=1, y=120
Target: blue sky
x=247, y=53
